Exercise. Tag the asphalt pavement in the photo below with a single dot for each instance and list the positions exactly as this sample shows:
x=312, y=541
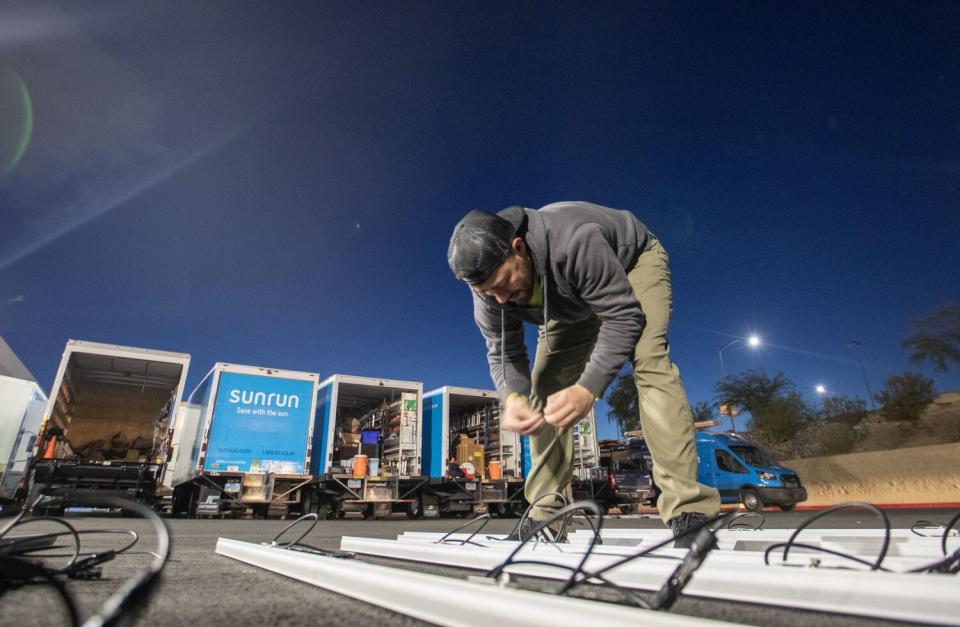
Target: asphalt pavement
x=200, y=588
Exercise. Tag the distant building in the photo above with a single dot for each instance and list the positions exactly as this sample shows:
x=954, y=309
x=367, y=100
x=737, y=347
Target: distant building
x=10, y=364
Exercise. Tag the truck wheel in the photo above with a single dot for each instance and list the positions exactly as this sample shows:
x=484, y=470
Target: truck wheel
x=309, y=503
x=327, y=510
x=414, y=510
x=787, y=507
x=751, y=500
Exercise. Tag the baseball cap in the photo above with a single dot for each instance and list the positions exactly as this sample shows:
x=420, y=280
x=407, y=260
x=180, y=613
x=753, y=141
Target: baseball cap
x=481, y=242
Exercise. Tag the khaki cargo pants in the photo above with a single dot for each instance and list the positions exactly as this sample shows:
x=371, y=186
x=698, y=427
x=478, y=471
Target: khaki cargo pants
x=665, y=415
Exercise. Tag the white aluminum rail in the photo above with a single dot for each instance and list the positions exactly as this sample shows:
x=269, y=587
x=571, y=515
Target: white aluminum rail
x=863, y=545
x=442, y=600
x=798, y=556
x=910, y=597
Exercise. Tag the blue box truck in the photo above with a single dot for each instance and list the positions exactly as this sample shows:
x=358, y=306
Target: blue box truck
x=241, y=444
x=368, y=439
x=469, y=418
x=744, y=473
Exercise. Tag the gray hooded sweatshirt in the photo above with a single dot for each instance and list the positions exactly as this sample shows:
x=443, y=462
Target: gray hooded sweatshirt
x=581, y=253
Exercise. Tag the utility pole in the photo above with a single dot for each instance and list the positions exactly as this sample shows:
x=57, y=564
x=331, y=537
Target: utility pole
x=855, y=345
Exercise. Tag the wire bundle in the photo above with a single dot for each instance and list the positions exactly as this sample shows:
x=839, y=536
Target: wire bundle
x=21, y=562
x=950, y=564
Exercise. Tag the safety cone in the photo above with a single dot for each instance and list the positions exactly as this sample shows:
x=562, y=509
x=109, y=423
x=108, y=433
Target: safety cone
x=50, y=452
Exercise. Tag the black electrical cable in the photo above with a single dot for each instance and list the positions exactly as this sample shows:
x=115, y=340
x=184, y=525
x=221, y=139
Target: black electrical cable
x=924, y=524
x=311, y=516
x=574, y=571
x=836, y=508
x=946, y=531
x=129, y=597
x=689, y=564
x=814, y=547
x=445, y=539
x=136, y=591
x=665, y=596
x=300, y=545
x=495, y=572
x=72, y=532
x=626, y=592
x=579, y=569
x=14, y=569
x=734, y=522
x=951, y=563
x=81, y=532
x=526, y=514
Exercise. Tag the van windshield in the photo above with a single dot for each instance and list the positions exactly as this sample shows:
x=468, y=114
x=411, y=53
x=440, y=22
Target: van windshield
x=754, y=455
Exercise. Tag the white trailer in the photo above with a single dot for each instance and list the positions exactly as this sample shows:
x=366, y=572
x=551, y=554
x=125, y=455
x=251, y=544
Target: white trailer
x=457, y=415
x=106, y=423
x=21, y=412
x=377, y=421
x=242, y=442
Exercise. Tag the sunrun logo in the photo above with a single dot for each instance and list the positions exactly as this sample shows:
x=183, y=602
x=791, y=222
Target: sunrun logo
x=249, y=397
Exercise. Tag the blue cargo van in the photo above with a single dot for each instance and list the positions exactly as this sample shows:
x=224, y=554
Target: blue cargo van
x=744, y=473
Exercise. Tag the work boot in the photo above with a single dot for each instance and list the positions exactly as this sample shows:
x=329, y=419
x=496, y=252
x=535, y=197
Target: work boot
x=682, y=527
x=527, y=526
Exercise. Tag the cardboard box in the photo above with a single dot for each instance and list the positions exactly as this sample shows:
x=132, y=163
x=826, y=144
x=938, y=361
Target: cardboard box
x=350, y=439
x=469, y=451
x=351, y=425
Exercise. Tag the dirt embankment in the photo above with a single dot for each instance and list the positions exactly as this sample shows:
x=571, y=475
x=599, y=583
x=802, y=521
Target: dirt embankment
x=923, y=474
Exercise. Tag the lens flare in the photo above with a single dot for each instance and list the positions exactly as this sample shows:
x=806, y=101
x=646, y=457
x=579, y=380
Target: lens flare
x=16, y=120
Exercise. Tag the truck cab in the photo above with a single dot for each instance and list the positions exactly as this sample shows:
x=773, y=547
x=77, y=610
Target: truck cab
x=745, y=473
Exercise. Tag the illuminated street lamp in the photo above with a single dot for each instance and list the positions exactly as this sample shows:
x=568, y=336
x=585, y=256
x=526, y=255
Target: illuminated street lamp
x=821, y=391
x=753, y=342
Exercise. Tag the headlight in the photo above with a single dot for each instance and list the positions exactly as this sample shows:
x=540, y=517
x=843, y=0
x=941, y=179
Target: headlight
x=767, y=476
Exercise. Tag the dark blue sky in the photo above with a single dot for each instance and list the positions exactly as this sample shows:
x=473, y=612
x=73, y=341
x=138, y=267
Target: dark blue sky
x=274, y=183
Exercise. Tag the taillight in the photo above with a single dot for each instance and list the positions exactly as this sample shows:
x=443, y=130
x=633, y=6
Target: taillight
x=612, y=480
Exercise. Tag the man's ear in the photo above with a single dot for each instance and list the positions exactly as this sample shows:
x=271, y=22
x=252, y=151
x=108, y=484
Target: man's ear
x=519, y=246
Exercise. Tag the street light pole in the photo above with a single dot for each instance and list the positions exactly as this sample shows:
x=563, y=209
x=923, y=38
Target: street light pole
x=855, y=345
x=723, y=368
x=752, y=341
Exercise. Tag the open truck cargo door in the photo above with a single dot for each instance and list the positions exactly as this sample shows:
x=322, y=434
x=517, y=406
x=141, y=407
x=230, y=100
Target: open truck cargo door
x=106, y=422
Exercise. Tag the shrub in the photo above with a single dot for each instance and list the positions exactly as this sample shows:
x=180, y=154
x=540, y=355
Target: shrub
x=904, y=397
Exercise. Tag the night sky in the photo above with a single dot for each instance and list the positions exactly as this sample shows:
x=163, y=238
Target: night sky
x=274, y=183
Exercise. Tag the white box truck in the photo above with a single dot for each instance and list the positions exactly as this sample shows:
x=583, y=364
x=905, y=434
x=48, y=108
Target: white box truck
x=106, y=423
x=462, y=426
x=368, y=434
x=242, y=442
x=21, y=412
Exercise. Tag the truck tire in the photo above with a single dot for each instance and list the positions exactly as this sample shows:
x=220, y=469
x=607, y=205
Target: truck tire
x=415, y=510
x=751, y=500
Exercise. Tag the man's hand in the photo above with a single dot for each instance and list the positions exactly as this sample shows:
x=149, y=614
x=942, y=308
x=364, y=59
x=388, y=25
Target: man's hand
x=520, y=417
x=567, y=406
